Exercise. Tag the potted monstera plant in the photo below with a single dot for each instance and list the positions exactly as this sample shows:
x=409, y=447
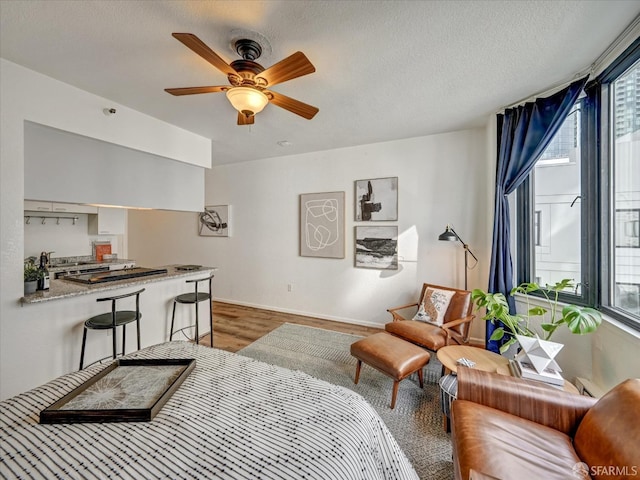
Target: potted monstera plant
x=579, y=320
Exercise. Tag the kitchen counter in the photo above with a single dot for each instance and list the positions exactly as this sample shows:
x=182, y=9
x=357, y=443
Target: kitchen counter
x=65, y=289
x=61, y=267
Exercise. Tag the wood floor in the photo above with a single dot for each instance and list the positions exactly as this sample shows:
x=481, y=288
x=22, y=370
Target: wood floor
x=236, y=326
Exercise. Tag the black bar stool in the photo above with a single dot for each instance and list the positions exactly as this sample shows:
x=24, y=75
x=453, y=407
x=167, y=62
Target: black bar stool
x=113, y=319
x=194, y=298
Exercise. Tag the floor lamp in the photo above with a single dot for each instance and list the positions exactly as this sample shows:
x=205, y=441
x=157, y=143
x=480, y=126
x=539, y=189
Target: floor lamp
x=450, y=235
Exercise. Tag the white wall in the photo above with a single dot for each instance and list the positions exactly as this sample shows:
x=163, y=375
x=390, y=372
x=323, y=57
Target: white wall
x=28, y=96
x=614, y=354
x=442, y=179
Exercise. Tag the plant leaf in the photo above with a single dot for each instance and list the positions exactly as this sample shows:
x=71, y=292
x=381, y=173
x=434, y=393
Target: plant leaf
x=581, y=320
x=561, y=285
x=497, y=334
x=505, y=346
x=537, y=311
x=525, y=288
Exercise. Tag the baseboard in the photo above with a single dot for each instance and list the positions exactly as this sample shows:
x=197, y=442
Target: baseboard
x=301, y=313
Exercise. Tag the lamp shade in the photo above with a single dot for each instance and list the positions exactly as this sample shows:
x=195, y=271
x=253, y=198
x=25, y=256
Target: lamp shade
x=247, y=100
x=448, y=235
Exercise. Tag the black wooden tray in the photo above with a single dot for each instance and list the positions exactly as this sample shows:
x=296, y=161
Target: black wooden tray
x=128, y=390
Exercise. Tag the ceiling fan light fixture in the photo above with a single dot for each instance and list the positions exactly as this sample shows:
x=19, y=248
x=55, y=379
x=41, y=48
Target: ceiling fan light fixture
x=247, y=100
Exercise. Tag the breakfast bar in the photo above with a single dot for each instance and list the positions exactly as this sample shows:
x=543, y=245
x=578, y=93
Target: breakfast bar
x=77, y=285
x=54, y=319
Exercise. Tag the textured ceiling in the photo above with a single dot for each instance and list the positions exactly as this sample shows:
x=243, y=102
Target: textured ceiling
x=385, y=69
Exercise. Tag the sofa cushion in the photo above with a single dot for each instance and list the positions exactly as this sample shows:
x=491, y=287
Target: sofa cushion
x=609, y=432
x=505, y=446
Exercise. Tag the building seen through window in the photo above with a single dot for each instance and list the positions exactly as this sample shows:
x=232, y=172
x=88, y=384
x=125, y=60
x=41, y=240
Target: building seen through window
x=557, y=219
x=626, y=190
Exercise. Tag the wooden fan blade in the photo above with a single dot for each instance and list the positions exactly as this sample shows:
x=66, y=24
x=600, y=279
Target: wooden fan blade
x=294, y=106
x=198, y=46
x=291, y=67
x=195, y=90
x=244, y=120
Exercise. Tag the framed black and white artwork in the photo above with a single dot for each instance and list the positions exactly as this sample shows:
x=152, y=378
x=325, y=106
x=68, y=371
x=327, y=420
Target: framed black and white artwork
x=214, y=221
x=377, y=199
x=322, y=225
x=377, y=247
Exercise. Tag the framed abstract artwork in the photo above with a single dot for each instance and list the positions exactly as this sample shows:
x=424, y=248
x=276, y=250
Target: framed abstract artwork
x=377, y=199
x=377, y=247
x=214, y=221
x=322, y=225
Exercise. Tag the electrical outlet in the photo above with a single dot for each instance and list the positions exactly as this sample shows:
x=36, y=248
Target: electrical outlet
x=290, y=287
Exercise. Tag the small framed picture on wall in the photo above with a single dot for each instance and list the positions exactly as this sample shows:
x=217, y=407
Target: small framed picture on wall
x=377, y=247
x=377, y=200
x=214, y=221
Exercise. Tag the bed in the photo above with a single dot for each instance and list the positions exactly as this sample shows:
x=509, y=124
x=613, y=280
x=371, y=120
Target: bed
x=232, y=418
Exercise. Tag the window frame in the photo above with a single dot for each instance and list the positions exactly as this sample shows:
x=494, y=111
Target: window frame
x=606, y=252
x=597, y=254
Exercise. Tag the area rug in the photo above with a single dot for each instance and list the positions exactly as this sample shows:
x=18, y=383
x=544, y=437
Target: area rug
x=416, y=421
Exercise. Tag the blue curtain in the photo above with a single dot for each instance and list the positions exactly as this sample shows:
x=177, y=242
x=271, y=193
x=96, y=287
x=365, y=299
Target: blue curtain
x=524, y=132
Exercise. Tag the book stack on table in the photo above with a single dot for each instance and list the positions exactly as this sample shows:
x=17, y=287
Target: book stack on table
x=522, y=369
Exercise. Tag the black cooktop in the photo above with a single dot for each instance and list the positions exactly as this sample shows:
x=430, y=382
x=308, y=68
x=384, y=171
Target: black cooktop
x=113, y=275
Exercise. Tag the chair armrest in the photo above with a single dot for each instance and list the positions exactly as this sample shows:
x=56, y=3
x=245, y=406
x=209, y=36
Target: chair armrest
x=539, y=403
x=396, y=316
x=459, y=321
x=452, y=334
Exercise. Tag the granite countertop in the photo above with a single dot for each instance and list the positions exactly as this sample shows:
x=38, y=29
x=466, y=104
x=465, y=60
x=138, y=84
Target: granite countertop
x=65, y=289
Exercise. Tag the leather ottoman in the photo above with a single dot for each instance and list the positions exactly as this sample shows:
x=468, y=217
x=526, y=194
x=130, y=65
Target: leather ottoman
x=392, y=356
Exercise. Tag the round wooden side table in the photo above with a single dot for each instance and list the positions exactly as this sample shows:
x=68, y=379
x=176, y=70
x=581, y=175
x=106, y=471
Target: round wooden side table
x=485, y=360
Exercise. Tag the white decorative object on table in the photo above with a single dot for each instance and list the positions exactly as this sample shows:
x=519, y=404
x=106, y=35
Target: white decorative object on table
x=539, y=353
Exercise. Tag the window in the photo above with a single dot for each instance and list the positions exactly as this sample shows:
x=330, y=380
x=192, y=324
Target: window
x=624, y=167
x=551, y=198
x=578, y=213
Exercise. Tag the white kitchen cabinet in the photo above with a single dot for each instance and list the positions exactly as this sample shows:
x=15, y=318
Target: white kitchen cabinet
x=73, y=208
x=108, y=221
x=35, y=206
x=57, y=207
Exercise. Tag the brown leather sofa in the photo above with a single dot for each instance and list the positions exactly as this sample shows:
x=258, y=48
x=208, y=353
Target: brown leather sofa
x=509, y=428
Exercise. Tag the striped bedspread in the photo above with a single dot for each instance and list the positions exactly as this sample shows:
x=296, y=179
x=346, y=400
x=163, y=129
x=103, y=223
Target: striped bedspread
x=232, y=418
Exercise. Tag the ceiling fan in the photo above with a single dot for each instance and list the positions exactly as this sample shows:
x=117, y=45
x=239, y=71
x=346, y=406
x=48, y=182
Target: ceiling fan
x=249, y=80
